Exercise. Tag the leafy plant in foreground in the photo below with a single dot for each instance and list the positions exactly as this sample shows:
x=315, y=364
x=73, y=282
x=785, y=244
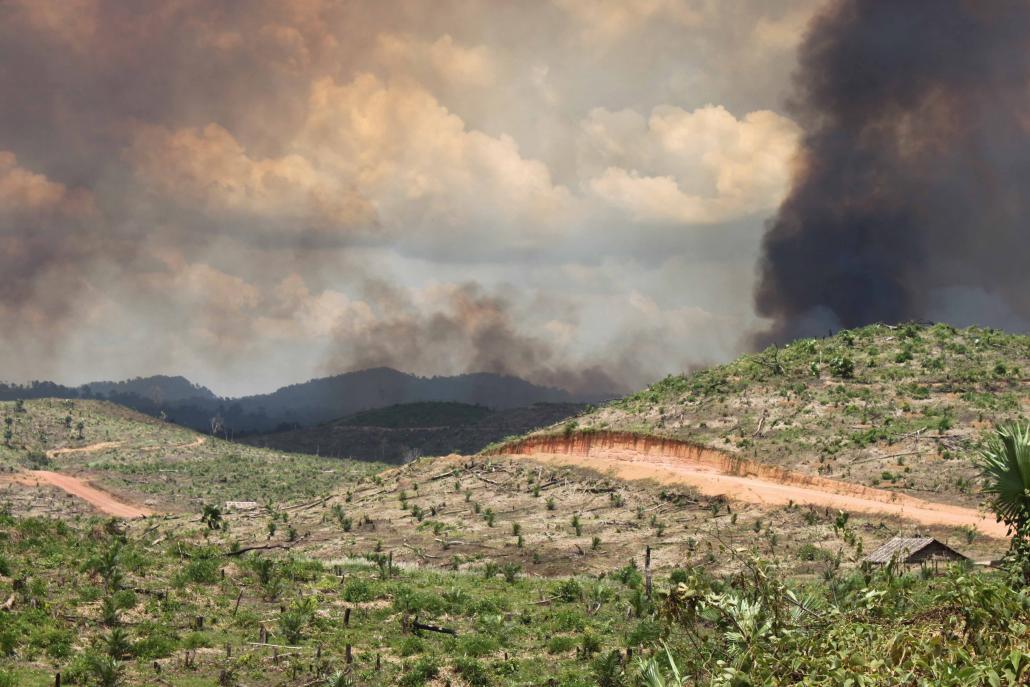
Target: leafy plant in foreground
x=1005, y=467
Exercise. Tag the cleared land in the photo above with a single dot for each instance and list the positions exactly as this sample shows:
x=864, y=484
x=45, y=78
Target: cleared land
x=159, y=466
x=101, y=500
x=537, y=566
x=897, y=408
x=715, y=473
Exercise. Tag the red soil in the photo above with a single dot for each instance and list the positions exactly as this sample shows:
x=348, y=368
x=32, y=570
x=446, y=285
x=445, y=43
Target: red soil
x=713, y=472
x=101, y=500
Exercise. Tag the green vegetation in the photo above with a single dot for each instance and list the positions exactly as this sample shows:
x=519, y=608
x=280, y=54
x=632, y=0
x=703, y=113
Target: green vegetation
x=107, y=608
x=1005, y=461
x=400, y=433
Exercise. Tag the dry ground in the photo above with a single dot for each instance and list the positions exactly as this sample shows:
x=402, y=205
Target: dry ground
x=460, y=513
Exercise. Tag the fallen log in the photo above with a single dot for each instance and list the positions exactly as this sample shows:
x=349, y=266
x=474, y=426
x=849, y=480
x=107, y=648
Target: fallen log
x=417, y=626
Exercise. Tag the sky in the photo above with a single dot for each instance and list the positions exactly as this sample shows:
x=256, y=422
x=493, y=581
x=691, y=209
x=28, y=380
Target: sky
x=252, y=194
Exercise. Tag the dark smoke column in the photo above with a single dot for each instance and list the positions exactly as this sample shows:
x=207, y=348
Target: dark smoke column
x=910, y=196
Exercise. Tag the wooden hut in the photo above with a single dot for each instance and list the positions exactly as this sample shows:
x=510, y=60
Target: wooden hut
x=914, y=551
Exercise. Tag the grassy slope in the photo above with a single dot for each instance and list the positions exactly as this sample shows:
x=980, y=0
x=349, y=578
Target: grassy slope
x=161, y=462
x=908, y=417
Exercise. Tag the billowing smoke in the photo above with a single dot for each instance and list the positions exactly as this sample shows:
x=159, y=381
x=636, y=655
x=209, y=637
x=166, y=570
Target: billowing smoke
x=462, y=329
x=210, y=188
x=912, y=185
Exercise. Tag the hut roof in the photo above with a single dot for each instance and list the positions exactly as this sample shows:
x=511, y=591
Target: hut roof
x=904, y=549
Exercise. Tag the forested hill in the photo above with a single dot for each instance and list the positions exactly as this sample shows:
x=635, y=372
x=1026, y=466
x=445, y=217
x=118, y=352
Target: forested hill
x=299, y=405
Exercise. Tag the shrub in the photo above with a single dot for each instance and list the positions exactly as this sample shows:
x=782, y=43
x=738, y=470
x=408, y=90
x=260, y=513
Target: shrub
x=510, y=572
x=568, y=591
x=842, y=366
x=199, y=571
x=810, y=552
x=560, y=644
x=472, y=671
x=608, y=670
x=420, y=672
x=358, y=591
x=292, y=624
x=589, y=644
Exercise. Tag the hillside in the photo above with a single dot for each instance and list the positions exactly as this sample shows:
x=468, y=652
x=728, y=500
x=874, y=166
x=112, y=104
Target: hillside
x=401, y=432
x=145, y=461
x=897, y=408
x=159, y=389
x=457, y=512
x=298, y=405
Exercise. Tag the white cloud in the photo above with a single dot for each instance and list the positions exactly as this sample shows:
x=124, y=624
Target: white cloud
x=699, y=167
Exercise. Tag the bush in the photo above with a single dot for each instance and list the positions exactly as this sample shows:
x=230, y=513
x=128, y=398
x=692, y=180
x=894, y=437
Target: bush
x=292, y=624
x=420, y=672
x=158, y=641
x=473, y=672
x=568, y=591
x=560, y=644
x=842, y=366
x=358, y=591
x=199, y=571
x=810, y=552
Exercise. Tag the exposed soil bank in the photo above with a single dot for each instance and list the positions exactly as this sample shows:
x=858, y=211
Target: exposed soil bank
x=713, y=472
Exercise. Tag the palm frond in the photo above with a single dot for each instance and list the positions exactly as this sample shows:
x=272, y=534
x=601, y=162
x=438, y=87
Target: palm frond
x=1005, y=468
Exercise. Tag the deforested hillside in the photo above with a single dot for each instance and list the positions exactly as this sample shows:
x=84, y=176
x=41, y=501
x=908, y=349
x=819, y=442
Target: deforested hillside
x=153, y=465
x=899, y=408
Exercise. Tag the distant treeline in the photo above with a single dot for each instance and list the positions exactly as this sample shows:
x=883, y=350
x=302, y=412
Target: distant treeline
x=299, y=405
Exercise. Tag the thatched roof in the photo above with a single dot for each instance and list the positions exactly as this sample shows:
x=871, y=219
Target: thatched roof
x=913, y=550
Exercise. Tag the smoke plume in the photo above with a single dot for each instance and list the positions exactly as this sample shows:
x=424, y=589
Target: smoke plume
x=462, y=329
x=911, y=186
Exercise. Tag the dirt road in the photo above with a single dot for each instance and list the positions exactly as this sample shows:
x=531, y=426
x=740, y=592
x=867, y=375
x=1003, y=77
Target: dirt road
x=716, y=473
x=101, y=500
x=83, y=449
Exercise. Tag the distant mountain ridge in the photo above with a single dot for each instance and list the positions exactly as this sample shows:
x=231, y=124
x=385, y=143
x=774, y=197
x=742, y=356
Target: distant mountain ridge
x=297, y=405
